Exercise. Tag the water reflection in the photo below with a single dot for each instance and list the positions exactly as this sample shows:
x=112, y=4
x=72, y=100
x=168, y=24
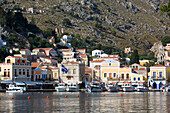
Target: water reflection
x=96, y=102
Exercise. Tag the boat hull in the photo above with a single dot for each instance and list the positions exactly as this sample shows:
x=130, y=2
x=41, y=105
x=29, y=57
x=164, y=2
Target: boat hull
x=142, y=90
x=60, y=89
x=128, y=89
x=72, y=89
x=96, y=90
x=113, y=89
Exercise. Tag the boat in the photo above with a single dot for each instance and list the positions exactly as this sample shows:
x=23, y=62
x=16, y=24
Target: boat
x=127, y=87
x=112, y=87
x=141, y=88
x=72, y=87
x=94, y=87
x=61, y=87
x=14, y=88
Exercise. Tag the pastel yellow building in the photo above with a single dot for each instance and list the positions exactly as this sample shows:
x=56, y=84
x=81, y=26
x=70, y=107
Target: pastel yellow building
x=15, y=68
x=144, y=62
x=158, y=76
x=111, y=70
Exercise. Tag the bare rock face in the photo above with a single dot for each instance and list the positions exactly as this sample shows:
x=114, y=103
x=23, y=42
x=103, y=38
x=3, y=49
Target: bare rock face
x=158, y=49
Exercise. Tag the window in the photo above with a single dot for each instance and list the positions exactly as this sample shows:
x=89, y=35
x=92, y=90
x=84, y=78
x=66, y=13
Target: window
x=5, y=74
x=127, y=75
x=8, y=72
x=28, y=73
x=154, y=74
x=136, y=66
x=0, y=69
x=110, y=64
x=110, y=75
x=114, y=75
x=74, y=71
x=23, y=71
x=15, y=72
x=23, y=61
x=19, y=71
x=49, y=76
x=134, y=78
x=160, y=74
x=105, y=75
x=122, y=75
x=8, y=61
x=138, y=78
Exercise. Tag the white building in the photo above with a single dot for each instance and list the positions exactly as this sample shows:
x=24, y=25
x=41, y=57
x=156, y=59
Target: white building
x=97, y=52
x=67, y=38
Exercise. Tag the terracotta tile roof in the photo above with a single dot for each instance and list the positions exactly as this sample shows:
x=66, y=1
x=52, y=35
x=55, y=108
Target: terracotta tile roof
x=24, y=49
x=35, y=64
x=43, y=48
x=97, y=61
x=97, y=67
x=14, y=57
x=159, y=65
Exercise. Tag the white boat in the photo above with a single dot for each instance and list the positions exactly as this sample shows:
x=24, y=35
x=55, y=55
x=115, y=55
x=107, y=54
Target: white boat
x=127, y=87
x=141, y=88
x=15, y=88
x=94, y=87
x=61, y=87
x=72, y=87
x=111, y=87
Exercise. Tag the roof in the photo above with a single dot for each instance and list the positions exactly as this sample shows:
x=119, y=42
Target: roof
x=97, y=67
x=24, y=49
x=48, y=59
x=43, y=48
x=72, y=62
x=99, y=61
x=110, y=61
x=14, y=57
x=35, y=64
x=159, y=65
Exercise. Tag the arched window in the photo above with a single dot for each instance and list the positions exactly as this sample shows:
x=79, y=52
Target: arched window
x=122, y=75
x=138, y=78
x=134, y=78
x=127, y=75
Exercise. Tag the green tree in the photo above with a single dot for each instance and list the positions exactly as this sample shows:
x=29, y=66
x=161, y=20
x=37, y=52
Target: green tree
x=2, y=17
x=66, y=22
x=165, y=8
x=165, y=40
x=3, y=54
x=134, y=58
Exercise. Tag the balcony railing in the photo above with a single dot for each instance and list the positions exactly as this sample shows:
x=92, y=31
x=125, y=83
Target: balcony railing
x=5, y=78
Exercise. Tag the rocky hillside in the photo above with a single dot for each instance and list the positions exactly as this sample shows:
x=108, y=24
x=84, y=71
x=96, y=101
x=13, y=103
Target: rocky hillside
x=122, y=23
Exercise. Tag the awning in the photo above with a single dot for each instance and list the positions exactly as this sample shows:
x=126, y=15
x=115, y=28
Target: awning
x=19, y=83
x=135, y=84
x=29, y=83
x=6, y=82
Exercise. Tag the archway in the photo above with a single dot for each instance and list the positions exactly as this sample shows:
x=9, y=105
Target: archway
x=160, y=85
x=154, y=85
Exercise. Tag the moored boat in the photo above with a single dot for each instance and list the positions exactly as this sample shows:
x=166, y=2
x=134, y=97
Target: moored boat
x=72, y=87
x=14, y=88
x=127, y=87
x=141, y=88
x=94, y=87
x=112, y=87
x=61, y=87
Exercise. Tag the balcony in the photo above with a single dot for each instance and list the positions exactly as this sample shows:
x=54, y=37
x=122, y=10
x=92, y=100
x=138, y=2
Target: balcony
x=112, y=79
x=158, y=78
x=21, y=64
x=5, y=78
